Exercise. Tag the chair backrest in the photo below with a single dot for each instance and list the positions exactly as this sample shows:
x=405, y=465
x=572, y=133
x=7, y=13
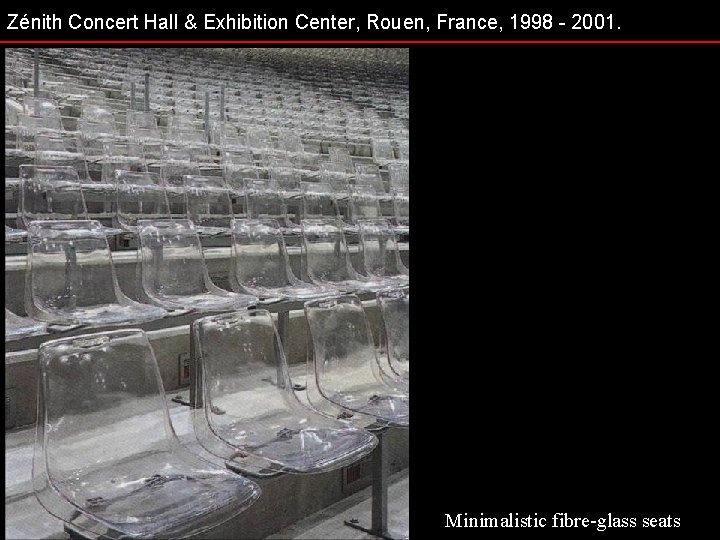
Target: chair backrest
x=121, y=156
x=240, y=353
x=399, y=175
x=395, y=309
x=104, y=435
x=341, y=156
x=258, y=137
x=382, y=150
x=172, y=261
x=363, y=203
x=290, y=141
x=249, y=401
x=259, y=254
x=142, y=125
x=325, y=252
x=139, y=195
x=207, y=202
x=96, y=391
x=347, y=372
x=49, y=193
x=69, y=267
x=61, y=150
x=264, y=201
x=42, y=107
x=287, y=181
x=401, y=206
x=318, y=201
x=379, y=250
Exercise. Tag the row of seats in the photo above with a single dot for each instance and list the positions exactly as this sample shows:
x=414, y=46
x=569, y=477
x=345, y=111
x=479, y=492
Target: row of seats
x=97, y=126
x=107, y=460
x=47, y=192
x=70, y=277
x=332, y=100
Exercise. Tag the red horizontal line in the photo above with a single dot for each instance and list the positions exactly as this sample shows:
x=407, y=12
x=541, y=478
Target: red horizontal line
x=363, y=42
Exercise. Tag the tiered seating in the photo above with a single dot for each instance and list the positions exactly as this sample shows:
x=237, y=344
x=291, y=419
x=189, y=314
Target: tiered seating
x=253, y=151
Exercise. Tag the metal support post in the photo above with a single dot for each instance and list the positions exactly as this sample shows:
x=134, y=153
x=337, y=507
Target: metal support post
x=147, y=92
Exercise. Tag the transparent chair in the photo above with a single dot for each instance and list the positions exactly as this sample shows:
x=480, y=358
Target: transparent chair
x=383, y=151
x=173, y=270
x=287, y=182
x=258, y=138
x=123, y=156
x=173, y=175
x=326, y=258
x=336, y=176
x=208, y=205
x=70, y=277
x=346, y=365
x=318, y=201
x=50, y=193
x=238, y=164
x=261, y=266
x=62, y=150
x=139, y=195
x=39, y=115
x=142, y=126
x=363, y=203
x=401, y=210
x=399, y=175
x=250, y=407
x=264, y=201
x=107, y=460
x=341, y=156
x=379, y=252
x=395, y=308
x=17, y=327
x=369, y=175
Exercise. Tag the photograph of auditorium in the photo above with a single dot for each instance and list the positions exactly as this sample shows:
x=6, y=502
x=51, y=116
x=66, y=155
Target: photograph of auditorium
x=207, y=293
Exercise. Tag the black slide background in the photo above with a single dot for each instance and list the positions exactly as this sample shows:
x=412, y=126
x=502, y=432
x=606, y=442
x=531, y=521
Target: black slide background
x=559, y=193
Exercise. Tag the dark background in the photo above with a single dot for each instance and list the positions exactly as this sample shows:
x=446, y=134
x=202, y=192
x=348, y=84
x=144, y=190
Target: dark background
x=560, y=195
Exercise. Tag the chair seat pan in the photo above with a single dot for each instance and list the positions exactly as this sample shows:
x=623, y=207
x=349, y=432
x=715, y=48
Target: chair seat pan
x=102, y=314
x=206, y=301
x=155, y=494
x=311, y=449
x=391, y=408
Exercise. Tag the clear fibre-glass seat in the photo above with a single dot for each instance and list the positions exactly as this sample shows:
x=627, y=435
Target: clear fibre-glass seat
x=173, y=175
x=17, y=327
x=107, y=460
x=120, y=156
x=363, y=203
x=173, y=270
x=395, y=309
x=346, y=365
x=264, y=201
x=318, y=201
x=399, y=175
x=62, y=150
x=142, y=126
x=261, y=265
x=70, y=277
x=249, y=405
x=369, y=175
x=326, y=258
x=379, y=252
x=48, y=193
x=139, y=195
x=208, y=205
x=401, y=209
